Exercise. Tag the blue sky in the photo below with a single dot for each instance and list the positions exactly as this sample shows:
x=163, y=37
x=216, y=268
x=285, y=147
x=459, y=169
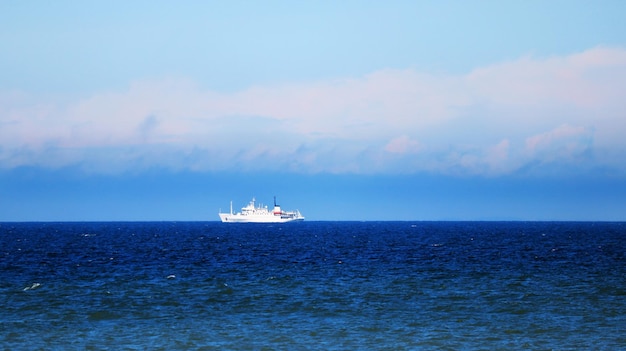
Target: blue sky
x=360, y=110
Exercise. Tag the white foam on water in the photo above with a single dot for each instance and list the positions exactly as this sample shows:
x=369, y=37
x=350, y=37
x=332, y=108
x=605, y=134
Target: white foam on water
x=33, y=286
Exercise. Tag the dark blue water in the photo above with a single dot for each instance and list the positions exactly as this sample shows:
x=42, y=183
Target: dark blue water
x=313, y=285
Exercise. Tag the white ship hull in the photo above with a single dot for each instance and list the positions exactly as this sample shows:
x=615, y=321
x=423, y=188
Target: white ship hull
x=237, y=218
x=260, y=214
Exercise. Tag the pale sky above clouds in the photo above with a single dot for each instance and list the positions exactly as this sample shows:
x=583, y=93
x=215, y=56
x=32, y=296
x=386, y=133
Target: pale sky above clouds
x=461, y=89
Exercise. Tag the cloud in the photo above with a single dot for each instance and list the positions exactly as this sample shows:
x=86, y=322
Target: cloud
x=493, y=120
x=402, y=145
x=148, y=126
x=563, y=134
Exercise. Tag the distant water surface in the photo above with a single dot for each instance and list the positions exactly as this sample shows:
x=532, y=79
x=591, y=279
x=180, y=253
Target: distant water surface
x=313, y=285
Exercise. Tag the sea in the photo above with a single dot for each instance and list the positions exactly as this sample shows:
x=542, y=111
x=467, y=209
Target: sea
x=313, y=286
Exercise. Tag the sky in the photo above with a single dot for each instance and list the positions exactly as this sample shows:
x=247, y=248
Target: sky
x=345, y=110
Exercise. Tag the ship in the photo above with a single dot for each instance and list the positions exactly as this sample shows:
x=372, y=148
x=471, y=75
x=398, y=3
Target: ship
x=260, y=214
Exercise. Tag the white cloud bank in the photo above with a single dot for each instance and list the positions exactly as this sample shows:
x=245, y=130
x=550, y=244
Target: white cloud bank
x=498, y=119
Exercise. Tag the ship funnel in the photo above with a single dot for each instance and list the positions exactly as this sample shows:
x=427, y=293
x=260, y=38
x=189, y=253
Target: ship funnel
x=277, y=210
